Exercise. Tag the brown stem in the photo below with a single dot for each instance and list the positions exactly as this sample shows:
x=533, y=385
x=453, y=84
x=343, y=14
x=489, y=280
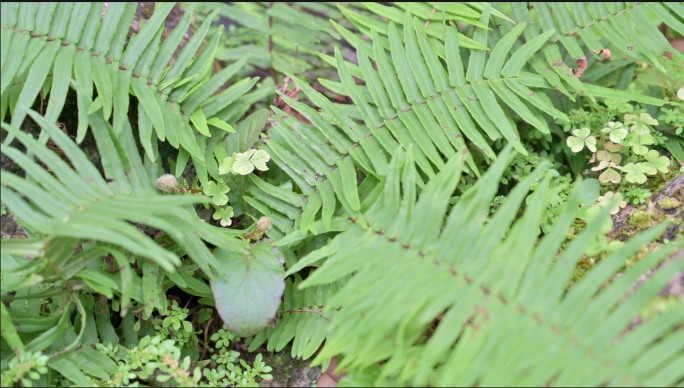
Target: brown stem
x=206, y=335
x=256, y=232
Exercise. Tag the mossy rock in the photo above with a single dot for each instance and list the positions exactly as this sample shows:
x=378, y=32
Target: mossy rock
x=289, y=371
x=666, y=205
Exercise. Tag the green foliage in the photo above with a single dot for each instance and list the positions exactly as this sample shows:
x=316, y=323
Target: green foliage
x=472, y=274
x=637, y=195
x=281, y=36
x=431, y=206
x=248, y=294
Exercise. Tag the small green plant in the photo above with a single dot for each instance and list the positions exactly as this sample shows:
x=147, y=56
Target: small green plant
x=637, y=195
x=176, y=327
x=673, y=117
x=25, y=369
x=620, y=143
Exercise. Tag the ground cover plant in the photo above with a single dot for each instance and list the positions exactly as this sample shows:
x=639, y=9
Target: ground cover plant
x=427, y=193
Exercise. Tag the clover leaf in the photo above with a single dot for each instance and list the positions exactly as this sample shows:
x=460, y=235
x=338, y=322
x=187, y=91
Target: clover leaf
x=610, y=175
x=612, y=147
x=217, y=192
x=224, y=214
x=638, y=143
x=609, y=157
x=659, y=163
x=582, y=137
x=616, y=130
x=246, y=162
x=640, y=124
x=227, y=165
x=621, y=105
x=606, y=199
x=636, y=173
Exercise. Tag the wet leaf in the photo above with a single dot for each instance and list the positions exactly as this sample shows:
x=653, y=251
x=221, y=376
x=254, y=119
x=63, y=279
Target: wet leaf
x=590, y=191
x=248, y=288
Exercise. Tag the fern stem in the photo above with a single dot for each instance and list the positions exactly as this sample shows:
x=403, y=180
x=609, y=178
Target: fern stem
x=304, y=311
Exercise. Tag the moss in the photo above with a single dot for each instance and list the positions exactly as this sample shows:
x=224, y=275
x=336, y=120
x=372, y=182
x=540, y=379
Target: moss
x=282, y=365
x=658, y=306
x=669, y=203
x=644, y=219
x=583, y=267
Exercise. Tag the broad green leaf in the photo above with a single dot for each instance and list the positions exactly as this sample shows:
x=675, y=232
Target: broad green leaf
x=200, y=122
x=215, y=121
x=590, y=190
x=247, y=288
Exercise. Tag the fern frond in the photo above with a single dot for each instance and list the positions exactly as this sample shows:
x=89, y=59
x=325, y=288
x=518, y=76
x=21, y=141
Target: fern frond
x=70, y=38
x=413, y=100
x=284, y=36
x=72, y=203
x=302, y=317
x=454, y=303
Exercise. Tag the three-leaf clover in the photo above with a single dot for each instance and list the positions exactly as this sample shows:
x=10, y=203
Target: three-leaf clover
x=616, y=130
x=610, y=175
x=246, y=162
x=621, y=105
x=224, y=214
x=582, y=137
x=639, y=124
x=217, y=192
x=639, y=143
x=609, y=157
x=636, y=173
x=227, y=165
x=659, y=163
x=612, y=147
x=606, y=199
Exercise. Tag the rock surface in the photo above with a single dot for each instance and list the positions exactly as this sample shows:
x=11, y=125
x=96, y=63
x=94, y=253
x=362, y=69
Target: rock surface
x=290, y=372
